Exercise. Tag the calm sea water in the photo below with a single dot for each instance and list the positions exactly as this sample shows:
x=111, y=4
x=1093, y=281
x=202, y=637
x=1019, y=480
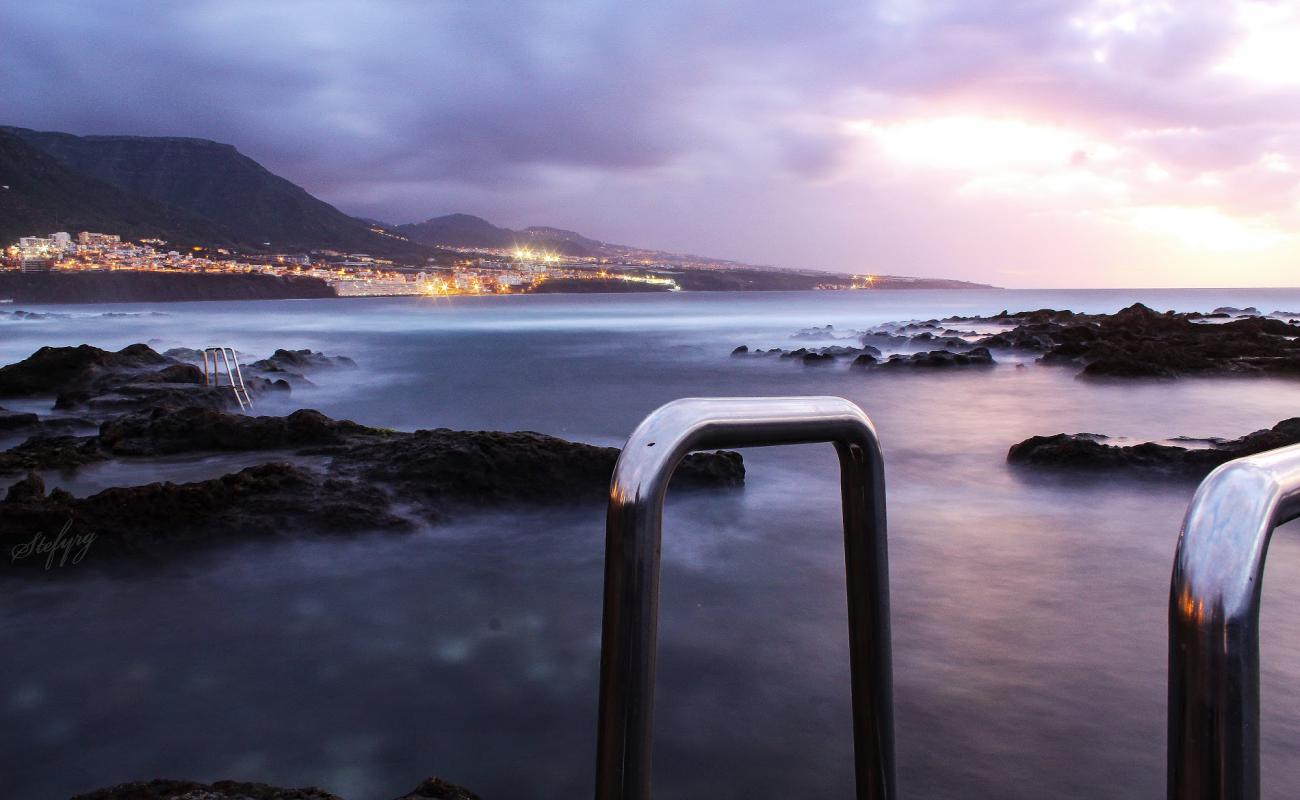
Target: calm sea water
x=1028, y=612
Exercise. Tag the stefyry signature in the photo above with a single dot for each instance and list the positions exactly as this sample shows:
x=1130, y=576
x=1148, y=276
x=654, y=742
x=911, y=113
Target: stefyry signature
x=62, y=546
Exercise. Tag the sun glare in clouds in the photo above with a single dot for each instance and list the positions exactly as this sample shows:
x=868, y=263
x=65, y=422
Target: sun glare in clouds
x=979, y=143
x=1204, y=228
x=1054, y=170
x=1269, y=49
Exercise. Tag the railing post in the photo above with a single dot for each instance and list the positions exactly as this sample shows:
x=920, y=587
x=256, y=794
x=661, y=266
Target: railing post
x=1214, y=625
x=633, y=532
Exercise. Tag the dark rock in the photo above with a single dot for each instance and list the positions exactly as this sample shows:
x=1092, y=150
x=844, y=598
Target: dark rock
x=820, y=334
x=430, y=789
x=816, y=355
x=268, y=500
x=189, y=790
x=743, y=350
x=56, y=370
x=1139, y=342
x=864, y=360
x=187, y=354
x=434, y=473
x=1237, y=312
x=446, y=469
x=840, y=351
x=61, y=452
x=188, y=430
x=438, y=789
x=301, y=361
x=26, y=490
x=941, y=342
x=14, y=420
x=978, y=357
x=884, y=339
x=107, y=398
x=1086, y=451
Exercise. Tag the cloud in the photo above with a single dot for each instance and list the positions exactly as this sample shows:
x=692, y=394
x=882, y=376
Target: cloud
x=589, y=113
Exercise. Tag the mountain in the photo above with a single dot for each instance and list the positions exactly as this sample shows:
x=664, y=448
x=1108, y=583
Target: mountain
x=216, y=183
x=458, y=230
x=41, y=195
x=467, y=230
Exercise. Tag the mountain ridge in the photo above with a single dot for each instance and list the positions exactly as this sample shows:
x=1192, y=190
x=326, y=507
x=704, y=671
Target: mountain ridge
x=214, y=181
x=42, y=194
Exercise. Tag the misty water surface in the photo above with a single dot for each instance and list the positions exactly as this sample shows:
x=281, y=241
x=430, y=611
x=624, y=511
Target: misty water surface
x=1029, y=611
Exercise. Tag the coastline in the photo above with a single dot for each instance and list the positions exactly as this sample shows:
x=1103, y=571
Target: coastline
x=150, y=287
x=140, y=286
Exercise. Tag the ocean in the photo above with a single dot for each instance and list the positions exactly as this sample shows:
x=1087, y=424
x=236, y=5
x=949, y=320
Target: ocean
x=1029, y=611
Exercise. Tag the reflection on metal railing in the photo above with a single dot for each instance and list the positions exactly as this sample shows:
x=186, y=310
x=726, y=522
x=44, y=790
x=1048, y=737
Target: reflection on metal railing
x=1214, y=625
x=234, y=376
x=634, y=529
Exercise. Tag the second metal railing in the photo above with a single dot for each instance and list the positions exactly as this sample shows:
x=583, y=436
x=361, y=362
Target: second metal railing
x=634, y=528
x=1214, y=625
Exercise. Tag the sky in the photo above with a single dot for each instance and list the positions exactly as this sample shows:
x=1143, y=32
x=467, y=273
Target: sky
x=1029, y=144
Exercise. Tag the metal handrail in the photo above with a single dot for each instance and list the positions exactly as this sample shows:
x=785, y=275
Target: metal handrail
x=634, y=528
x=1214, y=625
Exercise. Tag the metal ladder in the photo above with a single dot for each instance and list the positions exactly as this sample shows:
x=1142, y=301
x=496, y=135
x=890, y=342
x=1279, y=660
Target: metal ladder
x=1213, y=724
x=234, y=376
x=634, y=528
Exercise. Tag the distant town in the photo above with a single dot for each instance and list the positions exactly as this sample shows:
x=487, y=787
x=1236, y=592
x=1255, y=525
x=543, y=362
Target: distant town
x=472, y=271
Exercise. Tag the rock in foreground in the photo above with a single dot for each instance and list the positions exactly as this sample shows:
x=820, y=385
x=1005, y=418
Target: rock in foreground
x=431, y=789
x=1086, y=451
x=359, y=479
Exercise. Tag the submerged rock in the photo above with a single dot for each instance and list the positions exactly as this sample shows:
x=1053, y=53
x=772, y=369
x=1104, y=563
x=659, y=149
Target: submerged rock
x=1089, y=451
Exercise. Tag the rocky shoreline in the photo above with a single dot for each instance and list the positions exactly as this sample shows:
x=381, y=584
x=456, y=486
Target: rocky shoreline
x=321, y=476
x=1135, y=342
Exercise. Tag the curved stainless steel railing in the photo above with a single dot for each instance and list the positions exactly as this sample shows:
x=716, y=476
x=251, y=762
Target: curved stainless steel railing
x=634, y=528
x=1214, y=625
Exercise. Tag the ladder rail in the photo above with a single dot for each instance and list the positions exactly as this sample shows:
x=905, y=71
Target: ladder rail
x=233, y=374
x=634, y=527
x=1214, y=598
